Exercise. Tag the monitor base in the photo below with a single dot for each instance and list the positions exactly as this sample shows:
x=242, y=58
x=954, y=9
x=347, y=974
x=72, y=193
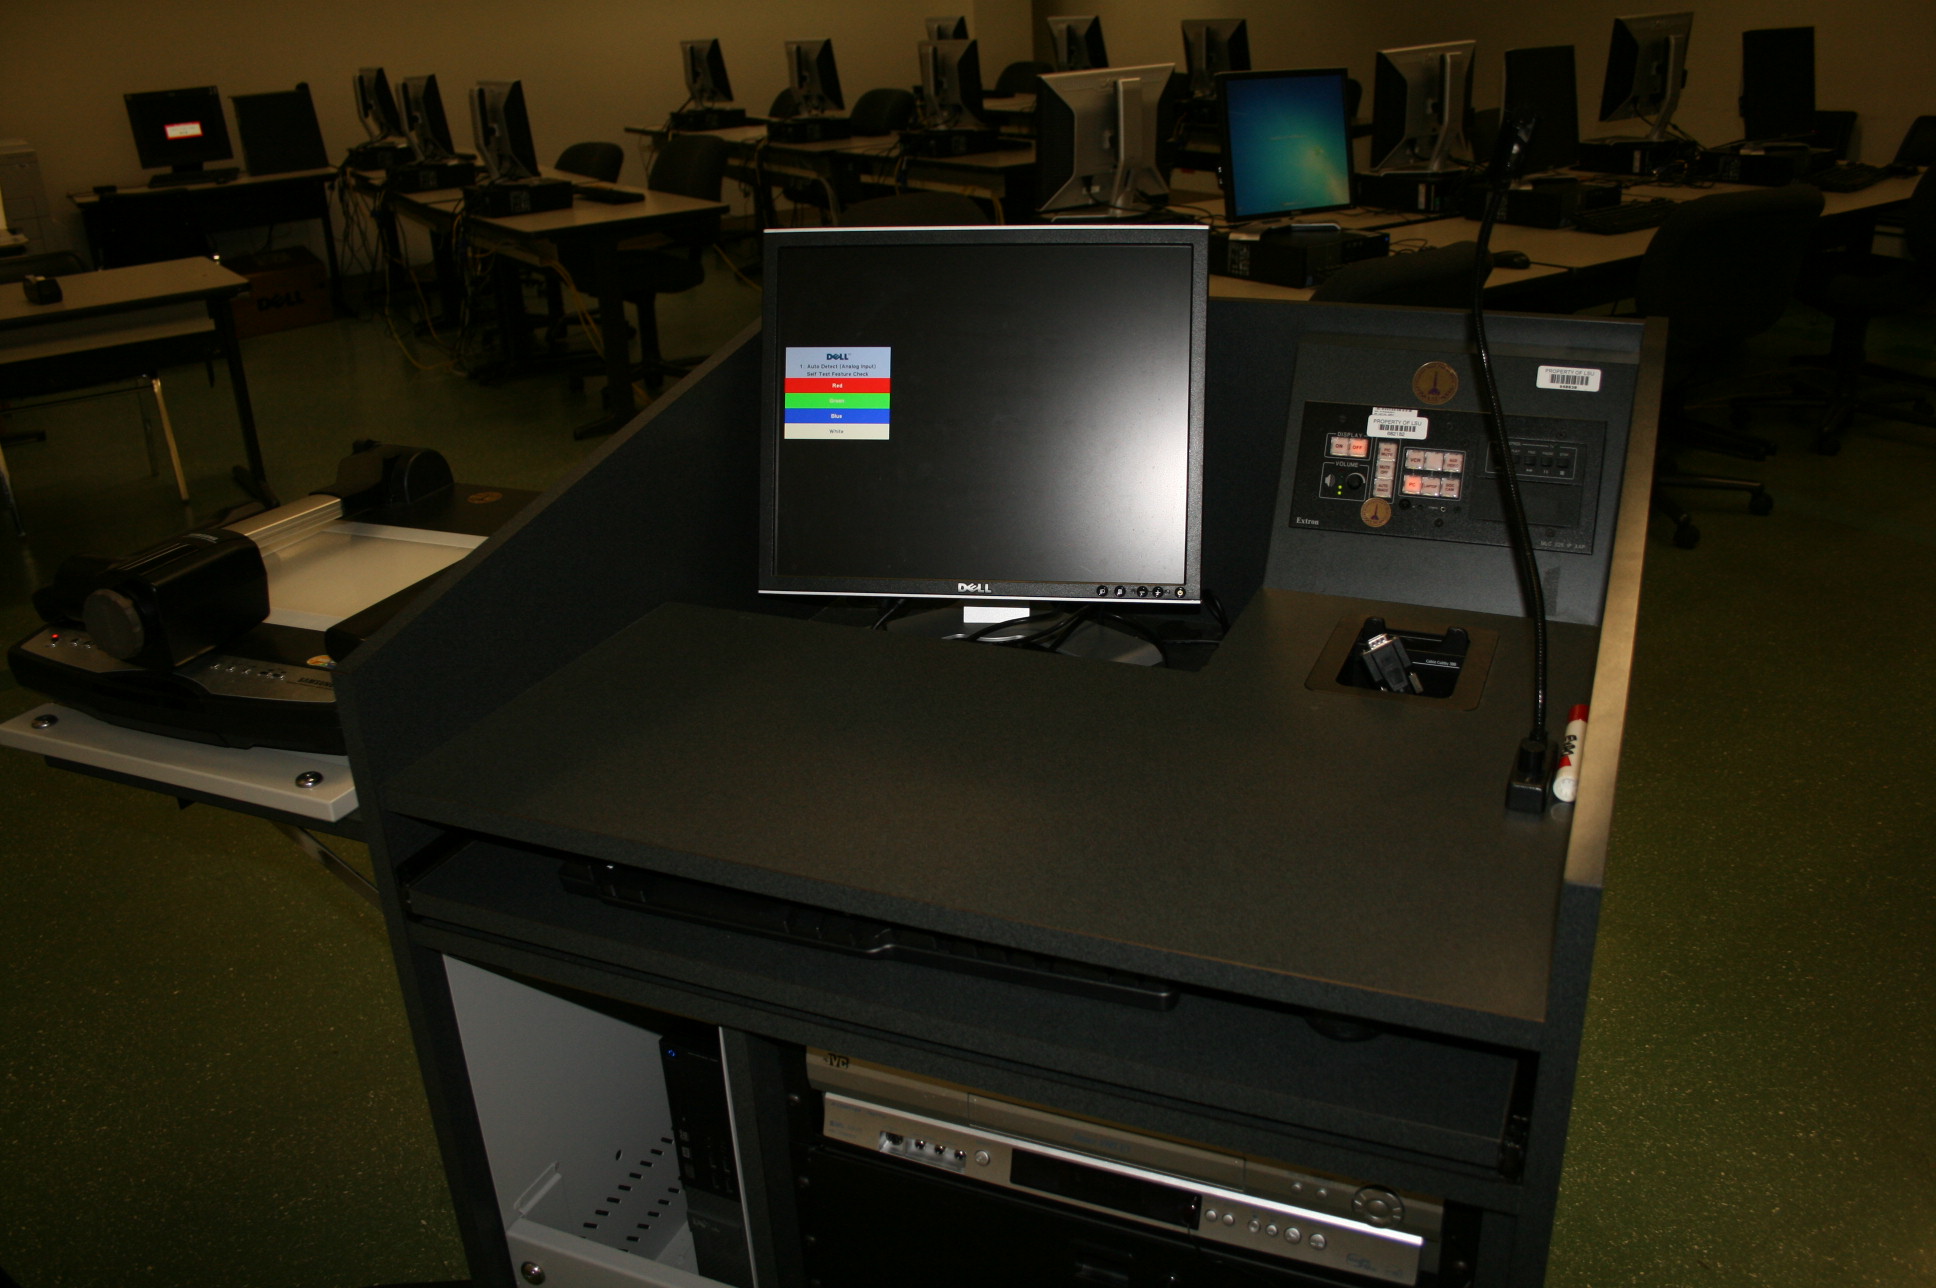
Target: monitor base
x=1093, y=640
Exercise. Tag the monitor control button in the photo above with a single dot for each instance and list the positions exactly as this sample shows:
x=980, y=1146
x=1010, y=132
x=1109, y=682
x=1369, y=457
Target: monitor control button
x=1293, y=1234
x=1317, y=1242
x=1210, y=1214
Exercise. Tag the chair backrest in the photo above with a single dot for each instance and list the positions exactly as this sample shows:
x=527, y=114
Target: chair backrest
x=1439, y=278
x=690, y=165
x=1722, y=268
x=882, y=111
x=1019, y=78
x=600, y=161
x=913, y=210
x=785, y=104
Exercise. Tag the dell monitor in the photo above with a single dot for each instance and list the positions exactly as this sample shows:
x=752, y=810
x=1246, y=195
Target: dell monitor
x=1540, y=82
x=1098, y=136
x=814, y=78
x=1077, y=44
x=502, y=131
x=1212, y=46
x=279, y=132
x=706, y=82
x=376, y=107
x=951, y=83
x=179, y=130
x=946, y=28
x=1286, y=142
x=1646, y=67
x=1419, y=103
x=984, y=415
x=424, y=122
x=1778, y=82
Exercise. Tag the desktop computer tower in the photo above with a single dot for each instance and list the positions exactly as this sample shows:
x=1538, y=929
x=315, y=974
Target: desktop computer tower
x=1634, y=158
x=23, y=197
x=1422, y=192
x=810, y=129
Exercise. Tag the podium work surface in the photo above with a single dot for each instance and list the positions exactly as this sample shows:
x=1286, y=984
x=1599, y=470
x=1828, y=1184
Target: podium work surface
x=1369, y=967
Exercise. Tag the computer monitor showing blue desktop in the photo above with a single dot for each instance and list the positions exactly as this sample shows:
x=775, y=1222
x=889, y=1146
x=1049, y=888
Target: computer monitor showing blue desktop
x=984, y=416
x=179, y=130
x=1286, y=142
x=1099, y=137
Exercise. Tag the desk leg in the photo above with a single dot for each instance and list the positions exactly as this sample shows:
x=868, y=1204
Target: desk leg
x=619, y=406
x=224, y=318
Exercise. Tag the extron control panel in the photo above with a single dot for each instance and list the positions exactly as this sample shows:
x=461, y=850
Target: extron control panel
x=1432, y=473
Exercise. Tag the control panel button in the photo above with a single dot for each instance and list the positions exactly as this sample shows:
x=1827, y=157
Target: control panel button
x=1292, y=1234
x=1340, y=444
x=1414, y=484
x=1360, y=448
x=1414, y=458
x=1449, y=487
x=1388, y=451
x=1383, y=488
x=1435, y=460
x=1429, y=485
x=1455, y=462
x=1317, y=1242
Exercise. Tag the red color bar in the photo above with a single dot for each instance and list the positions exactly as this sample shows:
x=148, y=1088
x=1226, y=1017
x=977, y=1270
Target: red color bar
x=838, y=385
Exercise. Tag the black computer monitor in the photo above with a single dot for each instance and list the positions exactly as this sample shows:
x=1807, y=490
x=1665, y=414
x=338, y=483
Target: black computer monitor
x=946, y=28
x=1212, y=46
x=976, y=414
x=813, y=76
x=1098, y=138
x=1286, y=142
x=951, y=81
x=1541, y=81
x=424, y=122
x=279, y=132
x=706, y=82
x=1778, y=82
x=376, y=107
x=1077, y=43
x=1646, y=67
x=179, y=130
x=1420, y=99
x=502, y=131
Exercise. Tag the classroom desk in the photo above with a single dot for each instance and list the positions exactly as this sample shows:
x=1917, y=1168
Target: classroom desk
x=1572, y=269
x=141, y=225
x=144, y=314
x=592, y=228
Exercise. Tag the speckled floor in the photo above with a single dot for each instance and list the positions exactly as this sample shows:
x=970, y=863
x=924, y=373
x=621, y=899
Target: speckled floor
x=205, y=1075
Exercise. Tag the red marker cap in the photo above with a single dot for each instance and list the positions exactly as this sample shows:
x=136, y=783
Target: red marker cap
x=1577, y=713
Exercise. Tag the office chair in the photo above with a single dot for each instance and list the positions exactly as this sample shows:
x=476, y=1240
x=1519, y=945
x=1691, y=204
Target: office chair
x=1854, y=290
x=51, y=382
x=786, y=104
x=1019, y=78
x=1720, y=270
x=1439, y=278
x=594, y=160
x=914, y=210
x=687, y=165
x=882, y=111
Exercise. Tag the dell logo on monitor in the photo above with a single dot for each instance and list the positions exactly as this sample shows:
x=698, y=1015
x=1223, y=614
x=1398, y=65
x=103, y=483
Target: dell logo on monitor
x=974, y=587
x=836, y=357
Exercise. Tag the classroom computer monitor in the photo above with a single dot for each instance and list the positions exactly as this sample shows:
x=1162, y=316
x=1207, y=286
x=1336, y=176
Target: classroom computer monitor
x=376, y=107
x=279, y=132
x=1286, y=142
x=946, y=28
x=1077, y=43
x=424, y=122
x=1212, y=46
x=1420, y=100
x=706, y=82
x=1098, y=137
x=813, y=75
x=1778, y=82
x=990, y=413
x=1541, y=81
x=951, y=80
x=179, y=130
x=502, y=131
x=1646, y=67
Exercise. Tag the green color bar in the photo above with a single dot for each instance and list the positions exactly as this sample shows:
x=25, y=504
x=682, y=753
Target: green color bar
x=837, y=400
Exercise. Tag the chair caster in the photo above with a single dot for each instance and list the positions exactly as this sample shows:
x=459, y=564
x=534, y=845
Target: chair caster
x=1686, y=536
x=1760, y=502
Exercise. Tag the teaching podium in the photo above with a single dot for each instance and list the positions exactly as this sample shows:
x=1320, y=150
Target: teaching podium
x=1276, y=931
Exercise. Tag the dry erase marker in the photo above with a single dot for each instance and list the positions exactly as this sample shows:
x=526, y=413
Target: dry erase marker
x=1566, y=779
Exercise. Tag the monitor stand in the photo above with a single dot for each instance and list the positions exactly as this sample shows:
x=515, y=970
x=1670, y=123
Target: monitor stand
x=959, y=619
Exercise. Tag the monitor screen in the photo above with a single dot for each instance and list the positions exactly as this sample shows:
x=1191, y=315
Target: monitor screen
x=1778, y=82
x=279, y=132
x=984, y=413
x=1541, y=81
x=1286, y=142
x=179, y=129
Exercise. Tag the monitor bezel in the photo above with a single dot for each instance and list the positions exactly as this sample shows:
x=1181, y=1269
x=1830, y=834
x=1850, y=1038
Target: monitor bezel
x=1230, y=198
x=1194, y=237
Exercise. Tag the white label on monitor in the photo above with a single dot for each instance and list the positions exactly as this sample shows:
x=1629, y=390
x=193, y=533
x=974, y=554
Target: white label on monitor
x=184, y=130
x=834, y=392
x=1584, y=380
x=1395, y=422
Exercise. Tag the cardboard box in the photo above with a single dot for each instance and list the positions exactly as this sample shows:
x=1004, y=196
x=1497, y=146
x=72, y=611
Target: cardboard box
x=287, y=288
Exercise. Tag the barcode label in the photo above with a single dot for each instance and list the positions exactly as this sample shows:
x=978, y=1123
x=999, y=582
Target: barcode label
x=1585, y=380
x=1394, y=422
